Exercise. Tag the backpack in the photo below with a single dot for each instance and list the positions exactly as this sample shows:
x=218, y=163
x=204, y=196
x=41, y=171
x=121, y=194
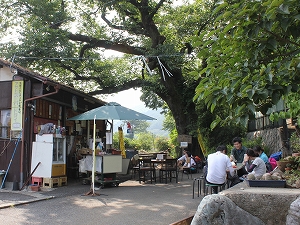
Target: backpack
x=197, y=159
x=269, y=167
x=273, y=163
x=276, y=156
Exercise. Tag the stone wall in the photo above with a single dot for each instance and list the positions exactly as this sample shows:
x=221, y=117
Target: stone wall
x=270, y=138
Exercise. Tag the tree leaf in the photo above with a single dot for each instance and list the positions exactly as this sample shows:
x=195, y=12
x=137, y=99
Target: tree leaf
x=276, y=97
x=283, y=9
x=215, y=123
x=220, y=7
x=251, y=108
x=244, y=120
x=276, y=3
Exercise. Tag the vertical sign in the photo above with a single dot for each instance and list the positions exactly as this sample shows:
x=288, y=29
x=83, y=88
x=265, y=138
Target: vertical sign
x=17, y=105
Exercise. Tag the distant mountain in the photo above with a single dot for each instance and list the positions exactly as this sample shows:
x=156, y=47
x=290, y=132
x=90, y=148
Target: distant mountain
x=155, y=125
x=131, y=99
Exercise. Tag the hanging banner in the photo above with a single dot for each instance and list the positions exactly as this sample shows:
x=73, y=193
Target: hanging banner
x=17, y=105
x=201, y=143
x=121, y=142
x=109, y=138
x=129, y=128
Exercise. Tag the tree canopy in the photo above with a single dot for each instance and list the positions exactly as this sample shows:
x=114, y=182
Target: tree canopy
x=68, y=40
x=252, y=57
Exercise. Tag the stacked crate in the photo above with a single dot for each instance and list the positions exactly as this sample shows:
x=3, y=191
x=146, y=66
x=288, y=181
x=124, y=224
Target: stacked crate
x=37, y=181
x=62, y=181
x=50, y=182
x=54, y=182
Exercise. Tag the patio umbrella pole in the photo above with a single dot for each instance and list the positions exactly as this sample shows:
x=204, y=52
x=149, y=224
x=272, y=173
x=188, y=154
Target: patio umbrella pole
x=92, y=190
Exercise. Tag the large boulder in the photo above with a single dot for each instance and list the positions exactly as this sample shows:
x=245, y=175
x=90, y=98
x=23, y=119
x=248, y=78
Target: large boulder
x=293, y=216
x=271, y=205
x=218, y=209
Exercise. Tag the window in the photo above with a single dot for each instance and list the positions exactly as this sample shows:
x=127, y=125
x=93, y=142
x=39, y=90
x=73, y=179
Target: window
x=5, y=123
x=5, y=131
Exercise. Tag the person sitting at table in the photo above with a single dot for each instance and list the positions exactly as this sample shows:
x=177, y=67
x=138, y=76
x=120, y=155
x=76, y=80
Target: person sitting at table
x=218, y=164
x=181, y=160
x=259, y=150
x=238, y=151
x=189, y=162
x=258, y=166
x=237, y=154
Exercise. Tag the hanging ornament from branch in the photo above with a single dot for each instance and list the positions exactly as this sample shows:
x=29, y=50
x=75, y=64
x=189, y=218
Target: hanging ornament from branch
x=164, y=69
x=144, y=60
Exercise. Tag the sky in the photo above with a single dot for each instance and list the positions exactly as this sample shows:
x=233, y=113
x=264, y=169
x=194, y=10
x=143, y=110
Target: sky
x=129, y=98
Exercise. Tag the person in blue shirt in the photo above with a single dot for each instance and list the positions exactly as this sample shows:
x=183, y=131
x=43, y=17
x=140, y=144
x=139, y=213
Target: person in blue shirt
x=259, y=150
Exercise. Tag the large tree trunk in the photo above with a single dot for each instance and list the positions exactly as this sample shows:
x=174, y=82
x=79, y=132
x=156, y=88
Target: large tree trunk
x=179, y=99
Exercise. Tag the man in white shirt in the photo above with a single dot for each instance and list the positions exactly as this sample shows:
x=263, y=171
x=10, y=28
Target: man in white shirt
x=218, y=164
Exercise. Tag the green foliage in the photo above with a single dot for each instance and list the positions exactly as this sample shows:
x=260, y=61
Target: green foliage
x=144, y=141
x=66, y=41
x=173, y=139
x=292, y=176
x=250, y=143
x=292, y=101
x=129, y=144
x=252, y=58
x=139, y=126
x=169, y=122
x=295, y=142
x=162, y=144
x=220, y=135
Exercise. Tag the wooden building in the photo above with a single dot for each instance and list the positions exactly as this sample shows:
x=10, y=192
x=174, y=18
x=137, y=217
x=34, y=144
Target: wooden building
x=29, y=100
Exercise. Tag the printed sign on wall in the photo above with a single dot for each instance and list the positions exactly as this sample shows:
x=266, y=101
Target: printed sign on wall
x=17, y=105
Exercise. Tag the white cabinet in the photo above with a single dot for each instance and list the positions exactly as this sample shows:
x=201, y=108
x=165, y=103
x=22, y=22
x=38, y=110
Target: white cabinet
x=50, y=150
x=106, y=167
x=103, y=164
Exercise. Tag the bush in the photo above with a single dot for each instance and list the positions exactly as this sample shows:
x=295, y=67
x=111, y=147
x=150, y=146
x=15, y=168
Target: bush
x=295, y=142
x=162, y=144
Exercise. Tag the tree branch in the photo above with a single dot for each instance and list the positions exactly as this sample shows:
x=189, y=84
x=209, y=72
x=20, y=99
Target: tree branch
x=138, y=29
x=96, y=43
x=270, y=58
x=73, y=71
x=158, y=5
x=284, y=40
x=126, y=86
x=110, y=23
